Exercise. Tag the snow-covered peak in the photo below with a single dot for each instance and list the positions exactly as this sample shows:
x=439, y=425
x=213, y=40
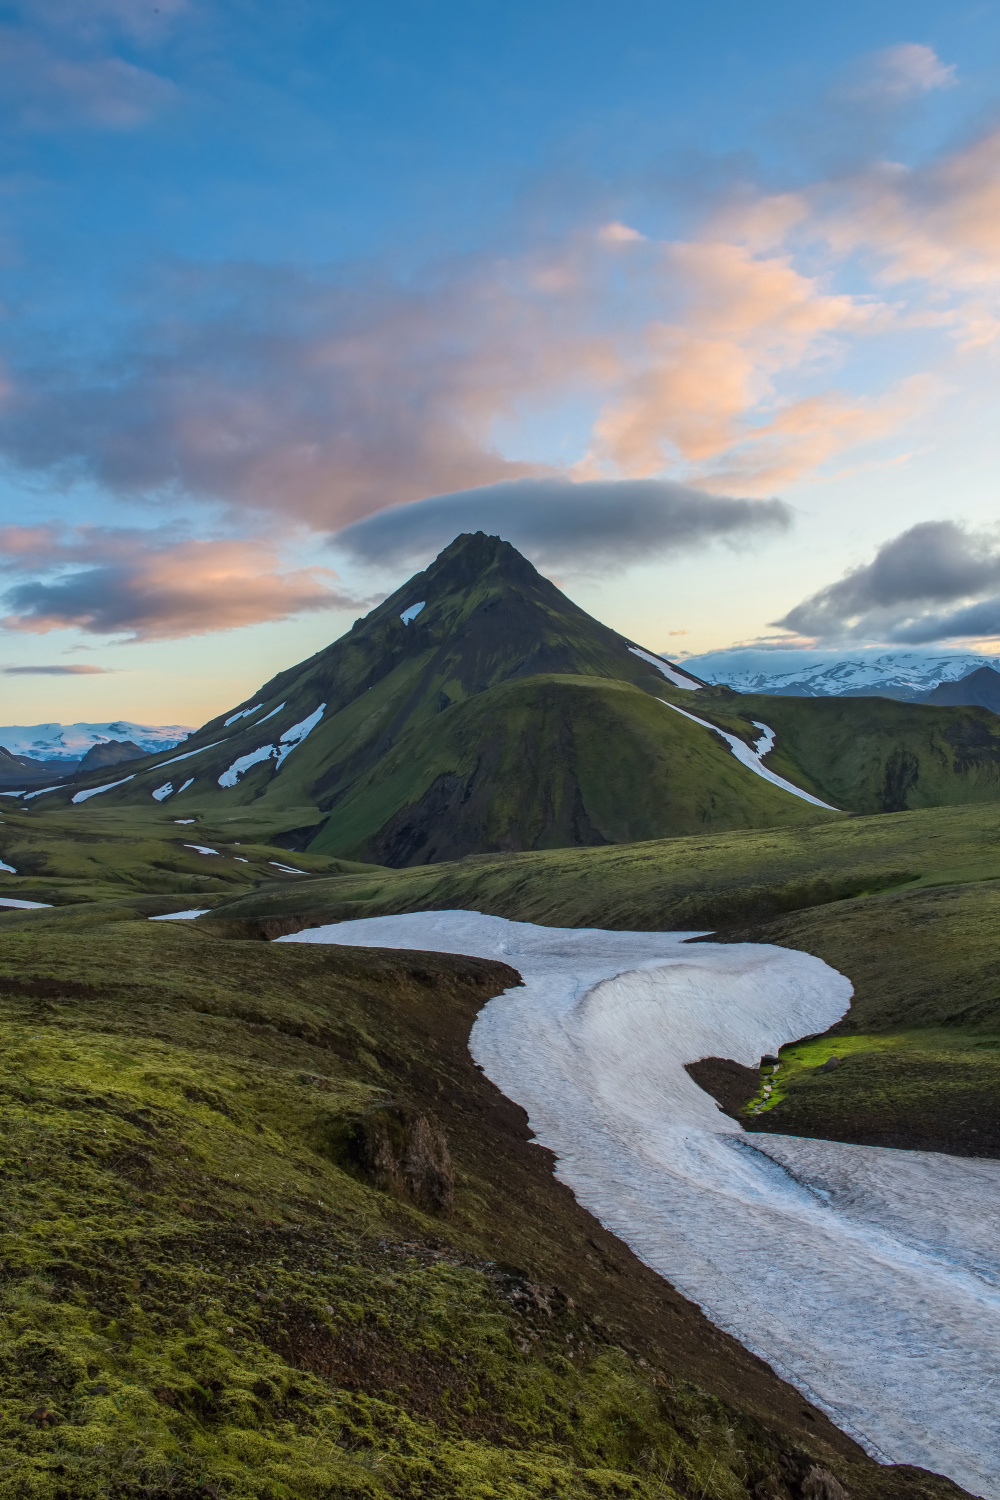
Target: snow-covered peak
x=72, y=741
x=822, y=674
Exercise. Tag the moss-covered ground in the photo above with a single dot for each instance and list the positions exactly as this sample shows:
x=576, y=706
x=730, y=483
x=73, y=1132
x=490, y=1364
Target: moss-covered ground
x=203, y=1293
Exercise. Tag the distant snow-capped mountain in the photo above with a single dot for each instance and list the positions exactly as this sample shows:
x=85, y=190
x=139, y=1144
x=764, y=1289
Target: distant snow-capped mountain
x=72, y=741
x=906, y=675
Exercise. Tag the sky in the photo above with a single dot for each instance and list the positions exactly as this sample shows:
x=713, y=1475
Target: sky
x=697, y=306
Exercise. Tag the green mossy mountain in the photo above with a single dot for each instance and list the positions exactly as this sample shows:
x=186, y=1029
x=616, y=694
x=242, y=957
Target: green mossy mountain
x=478, y=709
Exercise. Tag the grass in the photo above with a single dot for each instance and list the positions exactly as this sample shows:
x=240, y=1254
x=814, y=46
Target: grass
x=202, y=1294
x=708, y=880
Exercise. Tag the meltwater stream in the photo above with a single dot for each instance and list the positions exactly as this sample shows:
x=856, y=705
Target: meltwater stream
x=869, y=1278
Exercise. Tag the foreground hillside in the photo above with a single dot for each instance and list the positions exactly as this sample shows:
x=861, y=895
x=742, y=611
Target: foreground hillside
x=479, y=710
x=269, y=1233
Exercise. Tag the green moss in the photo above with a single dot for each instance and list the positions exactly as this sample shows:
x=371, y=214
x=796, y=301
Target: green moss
x=197, y=1298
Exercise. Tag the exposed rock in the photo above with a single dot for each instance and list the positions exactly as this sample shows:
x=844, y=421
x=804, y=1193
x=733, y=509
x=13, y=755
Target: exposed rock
x=404, y=1152
x=110, y=753
x=820, y=1484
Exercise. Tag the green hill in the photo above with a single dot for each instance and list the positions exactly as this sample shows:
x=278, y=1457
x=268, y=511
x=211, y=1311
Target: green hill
x=478, y=709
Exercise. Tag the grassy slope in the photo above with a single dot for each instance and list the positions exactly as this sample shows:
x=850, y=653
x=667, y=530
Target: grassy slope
x=922, y=955
x=202, y=1297
x=713, y=879
x=921, y=1043
x=549, y=762
x=874, y=754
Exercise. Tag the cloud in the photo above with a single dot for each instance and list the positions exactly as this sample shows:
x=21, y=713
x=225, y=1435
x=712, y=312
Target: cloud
x=898, y=596
x=146, y=587
x=898, y=73
x=77, y=671
x=601, y=523
x=59, y=67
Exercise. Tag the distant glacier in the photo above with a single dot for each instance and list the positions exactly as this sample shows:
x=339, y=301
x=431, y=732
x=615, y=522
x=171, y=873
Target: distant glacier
x=799, y=673
x=72, y=741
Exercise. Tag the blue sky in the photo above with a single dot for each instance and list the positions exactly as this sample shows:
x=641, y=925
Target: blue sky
x=699, y=305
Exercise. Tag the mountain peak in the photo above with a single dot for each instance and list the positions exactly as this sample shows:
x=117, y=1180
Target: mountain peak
x=472, y=555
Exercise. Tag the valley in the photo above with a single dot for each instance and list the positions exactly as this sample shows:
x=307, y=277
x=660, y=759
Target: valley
x=270, y=1230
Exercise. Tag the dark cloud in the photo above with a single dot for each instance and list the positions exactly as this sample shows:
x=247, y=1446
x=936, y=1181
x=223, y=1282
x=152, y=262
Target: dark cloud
x=148, y=587
x=899, y=595
x=77, y=671
x=564, y=525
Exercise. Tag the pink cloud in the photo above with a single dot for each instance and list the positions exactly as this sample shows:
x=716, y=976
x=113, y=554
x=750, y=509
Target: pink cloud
x=149, y=588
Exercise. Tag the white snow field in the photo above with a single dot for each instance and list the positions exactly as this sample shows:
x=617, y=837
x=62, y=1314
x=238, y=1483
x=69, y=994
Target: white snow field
x=868, y=1278
x=672, y=674
x=752, y=758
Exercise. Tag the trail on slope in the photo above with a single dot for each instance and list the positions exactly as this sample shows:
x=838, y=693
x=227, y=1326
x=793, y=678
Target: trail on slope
x=867, y=1277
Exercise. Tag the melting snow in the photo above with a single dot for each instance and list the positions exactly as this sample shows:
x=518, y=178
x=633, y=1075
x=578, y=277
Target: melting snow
x=298, y=732
x=234, y=772
x=25, y=905
x=187, y=755
x=41, y=793
x=201, y=848
x=94, y=790
x=241, y=859
x=176, y=916
x=286, y=744
x=868, y=1277
x=163, y=791
x=184, y=786
x=9, y=868
x=244, y=713
x=410, y=614
x=271, y=714
x=288, y=869
x=672, y=674
x=751, y=757
x=184, y=820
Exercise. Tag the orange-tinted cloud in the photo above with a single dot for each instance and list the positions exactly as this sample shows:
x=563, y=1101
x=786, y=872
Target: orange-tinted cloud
x=149, y=588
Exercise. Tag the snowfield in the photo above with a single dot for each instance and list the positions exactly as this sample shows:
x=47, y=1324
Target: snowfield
x=868, y=1278
x=752, y=758
x=672, y=674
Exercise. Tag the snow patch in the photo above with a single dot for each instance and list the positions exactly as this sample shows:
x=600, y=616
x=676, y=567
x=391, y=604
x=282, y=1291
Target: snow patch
x=867, y=1277
x=286, y=744
x=94, y=791
x=25, y=905
x=672, y=674
x=184, y=786
x=41, y=792
x=235, y=772
x=201, y=848
x=298, y=732
x=163, y=791
x=184, y=820
x=244, y=713
x=288, y=869
x=187, y=755
x=751, y=757
x=410, y=614
x=9, y=868
x=177, y=916
x=271, y=714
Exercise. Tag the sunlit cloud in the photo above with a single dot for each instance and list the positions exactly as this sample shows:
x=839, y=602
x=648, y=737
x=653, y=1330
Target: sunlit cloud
x=147, y=587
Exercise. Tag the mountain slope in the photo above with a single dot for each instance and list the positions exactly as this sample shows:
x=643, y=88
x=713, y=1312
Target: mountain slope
x=981, y=688
x=478, y=709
